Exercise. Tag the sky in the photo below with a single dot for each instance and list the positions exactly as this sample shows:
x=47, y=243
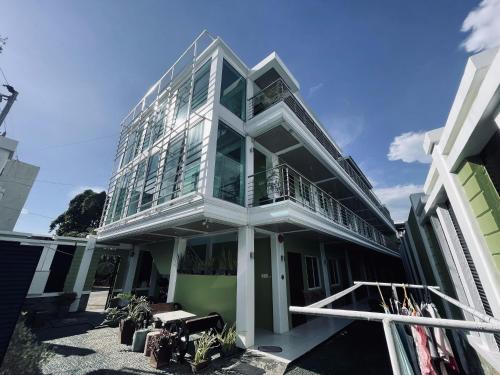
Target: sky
x=377, y=73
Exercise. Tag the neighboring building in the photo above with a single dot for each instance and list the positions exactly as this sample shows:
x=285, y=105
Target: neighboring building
x=231, y=183
x=16, y=180
x=453, y=231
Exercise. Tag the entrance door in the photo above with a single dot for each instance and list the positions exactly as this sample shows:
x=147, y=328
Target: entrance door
x=296, y=285
x=263, y=285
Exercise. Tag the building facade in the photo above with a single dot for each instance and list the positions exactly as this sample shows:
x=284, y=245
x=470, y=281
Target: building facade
x=231, y=183
x=452, y=235
x=16, y=180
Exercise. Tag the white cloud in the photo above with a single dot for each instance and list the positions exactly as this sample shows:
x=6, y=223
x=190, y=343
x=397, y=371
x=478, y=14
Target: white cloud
x=25, y=211
x=483, y=23
x=345, y=130
x=314, y=89
x=397, y=199
x=408, y=147
x=81, y=189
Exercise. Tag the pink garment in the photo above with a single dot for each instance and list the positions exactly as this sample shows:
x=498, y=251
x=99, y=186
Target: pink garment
x=421, y=344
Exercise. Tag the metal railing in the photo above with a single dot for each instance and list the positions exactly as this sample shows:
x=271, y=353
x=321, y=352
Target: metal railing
x=278, y=92
x=284, y=183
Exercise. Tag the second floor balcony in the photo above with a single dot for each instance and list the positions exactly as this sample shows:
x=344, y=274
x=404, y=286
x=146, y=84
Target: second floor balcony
x=283, y=183
x=278, y=92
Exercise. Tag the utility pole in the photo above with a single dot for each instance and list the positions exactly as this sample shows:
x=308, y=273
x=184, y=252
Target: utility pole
x=10, y=100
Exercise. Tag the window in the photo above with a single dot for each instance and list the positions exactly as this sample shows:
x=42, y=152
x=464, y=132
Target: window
x=312, y=266
x=229, y=166
x=137, y=188
x=118, y=200
x=133, y=143
x=193, y=156
x=233, y=91
x=181, y=103
x=150, y=182
x=172, y=169
x=200, y=85
x=334, y=271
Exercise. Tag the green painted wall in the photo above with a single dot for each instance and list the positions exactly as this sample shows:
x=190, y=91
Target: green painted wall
x=263, y=284
x=485, y=203
x=69, y=283
x=203, y=294
x=162, y=256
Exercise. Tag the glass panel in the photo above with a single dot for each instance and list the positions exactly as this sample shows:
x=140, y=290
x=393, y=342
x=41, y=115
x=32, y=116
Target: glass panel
x=229, y=166
x=193, y=156
x=121, y=194
x=200, y=86
x=233, y=91
x=137, y=189
x=150, y=183
x=181, y=104
x=172, y=170
x=310, y=272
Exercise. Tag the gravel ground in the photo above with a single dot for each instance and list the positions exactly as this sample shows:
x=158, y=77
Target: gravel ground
x=81, y=349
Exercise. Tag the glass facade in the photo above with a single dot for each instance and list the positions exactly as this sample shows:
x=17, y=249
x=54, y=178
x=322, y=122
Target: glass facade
x=200, y=86
x=229, y=166
x=233, y=94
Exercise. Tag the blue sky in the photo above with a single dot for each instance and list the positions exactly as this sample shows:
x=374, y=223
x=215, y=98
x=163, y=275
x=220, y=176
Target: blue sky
x=372, y=71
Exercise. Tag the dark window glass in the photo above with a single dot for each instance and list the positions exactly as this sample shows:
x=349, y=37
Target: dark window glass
x=172, y=169
x=200, y=86
x=193, y=156
x=312, y=272
x=181, y=104
x=233, y=93
x=229, y=166
x=137, y=188
x=150, y=182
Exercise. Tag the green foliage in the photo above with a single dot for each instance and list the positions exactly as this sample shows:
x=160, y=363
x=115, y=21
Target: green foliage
x=114, y=315
x=138, y=309
x=25, y=355
x=227, y=338
x=125, y=296
x=82, y=215
x=202, y=346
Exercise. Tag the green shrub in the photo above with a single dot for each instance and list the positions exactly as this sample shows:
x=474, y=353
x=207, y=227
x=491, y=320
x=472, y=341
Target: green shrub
x=25, y=355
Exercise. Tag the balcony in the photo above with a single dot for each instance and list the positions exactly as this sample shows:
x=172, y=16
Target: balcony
x=278, y=92
x=284, y=183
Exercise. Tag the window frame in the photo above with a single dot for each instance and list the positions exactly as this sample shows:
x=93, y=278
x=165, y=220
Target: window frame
x=334, y=262
x=316, y=272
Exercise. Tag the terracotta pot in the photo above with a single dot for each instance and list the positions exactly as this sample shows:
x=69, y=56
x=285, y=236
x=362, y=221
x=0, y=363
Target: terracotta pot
x=199, y=366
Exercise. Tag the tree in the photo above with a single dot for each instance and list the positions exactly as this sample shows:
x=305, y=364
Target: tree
x=3, y=42
x=82, y=215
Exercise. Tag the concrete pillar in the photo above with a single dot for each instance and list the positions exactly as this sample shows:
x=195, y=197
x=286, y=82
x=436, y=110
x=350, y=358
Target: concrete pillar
x=179, y=250
x=245, y=288
x=324, y=266
x=42, y=270
x=152, y=280
x=83, y=271
x=131, y=270
x=280, y=303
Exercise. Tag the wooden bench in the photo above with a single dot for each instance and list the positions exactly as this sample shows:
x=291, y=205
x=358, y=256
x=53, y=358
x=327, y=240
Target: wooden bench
x=157, y=308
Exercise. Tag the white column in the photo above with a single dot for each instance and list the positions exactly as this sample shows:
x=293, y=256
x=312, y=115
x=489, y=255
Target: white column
x=324, y=266
x=280, y=302
x=42, y=270
x=83, y=271
x=245, y=288
x=131, y=269
x=179, y=250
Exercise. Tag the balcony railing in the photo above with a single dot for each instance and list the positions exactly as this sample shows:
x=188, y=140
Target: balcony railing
x=284, y=183
x=278, y=92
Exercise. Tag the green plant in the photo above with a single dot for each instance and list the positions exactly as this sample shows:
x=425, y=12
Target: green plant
x=25, y=355
x=202, y=346
x=227, y=338
x=125, y=296
x=139, y=309
x=114, y=315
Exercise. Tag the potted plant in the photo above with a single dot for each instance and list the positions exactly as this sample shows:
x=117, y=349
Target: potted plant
x=63, y=303
x=202, y=346
x=161, y=347
x=139, y=313
x=227, y=340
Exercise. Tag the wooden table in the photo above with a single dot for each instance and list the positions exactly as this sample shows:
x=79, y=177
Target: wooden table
x=173, y=315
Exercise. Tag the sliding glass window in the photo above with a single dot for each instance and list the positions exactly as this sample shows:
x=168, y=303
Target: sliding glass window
x=172, y=170
x=229, y=166
x=193, y=156
x=181, y=103
x=233, y=94
x=137, y=188
x=200, y=86
x=150, y=182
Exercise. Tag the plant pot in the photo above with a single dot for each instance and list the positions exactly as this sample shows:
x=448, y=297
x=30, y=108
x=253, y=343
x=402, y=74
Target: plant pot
x=197, y=368
x=160, y=357
x=227, y=352
x=127, y=329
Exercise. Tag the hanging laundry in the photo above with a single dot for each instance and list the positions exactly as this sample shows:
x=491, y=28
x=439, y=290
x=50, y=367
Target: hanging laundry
x=421, y=344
